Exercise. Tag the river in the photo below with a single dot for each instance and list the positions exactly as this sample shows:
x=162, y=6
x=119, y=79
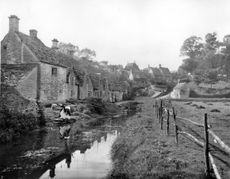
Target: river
x=85, y=155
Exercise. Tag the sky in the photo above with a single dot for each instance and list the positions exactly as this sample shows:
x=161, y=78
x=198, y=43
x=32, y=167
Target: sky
x=148, y=32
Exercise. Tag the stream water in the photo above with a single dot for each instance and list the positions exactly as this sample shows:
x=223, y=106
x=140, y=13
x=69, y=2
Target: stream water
x=85, y=155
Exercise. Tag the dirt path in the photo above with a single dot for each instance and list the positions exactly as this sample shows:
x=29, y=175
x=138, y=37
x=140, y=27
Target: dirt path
x=144, y=151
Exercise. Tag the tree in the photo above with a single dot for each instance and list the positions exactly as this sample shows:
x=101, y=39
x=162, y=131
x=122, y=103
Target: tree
x=192, y=47
x=189, y=65
x=211, y=46
x=87, y=53
x=68, y=49
x=211, y=42
x=211, y=76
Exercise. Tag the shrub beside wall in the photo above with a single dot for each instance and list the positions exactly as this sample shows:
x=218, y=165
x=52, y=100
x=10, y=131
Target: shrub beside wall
x=13, y=124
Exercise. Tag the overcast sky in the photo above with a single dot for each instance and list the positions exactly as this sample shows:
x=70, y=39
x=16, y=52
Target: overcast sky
x=121, y=31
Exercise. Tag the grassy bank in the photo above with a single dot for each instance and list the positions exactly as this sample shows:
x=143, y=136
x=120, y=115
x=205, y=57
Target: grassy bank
x=144, y=151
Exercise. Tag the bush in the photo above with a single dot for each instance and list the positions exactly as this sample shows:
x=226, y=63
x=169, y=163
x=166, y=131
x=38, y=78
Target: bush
x=13, y=124
x=194, y=94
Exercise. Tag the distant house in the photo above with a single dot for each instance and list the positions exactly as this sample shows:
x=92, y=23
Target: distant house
x=100, y=87
x=166, y=73
x=46, y=75
x=118, y=89
x=133, y=70
x=87, y=87
x=156, y=74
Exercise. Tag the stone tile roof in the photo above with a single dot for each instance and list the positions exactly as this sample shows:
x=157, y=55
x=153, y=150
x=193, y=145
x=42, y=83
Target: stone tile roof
x=46, y=54
x=165, y=71
x=132, y=66
x=156, y=72
x=51, y=56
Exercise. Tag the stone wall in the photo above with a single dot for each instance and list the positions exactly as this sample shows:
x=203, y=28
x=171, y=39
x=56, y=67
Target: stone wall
x=55, y=87
x=22, y=77
x=11, y=49
x=18, y=88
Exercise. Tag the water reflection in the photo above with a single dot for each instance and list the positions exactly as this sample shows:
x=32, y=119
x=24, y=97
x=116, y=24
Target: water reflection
x=88, y=161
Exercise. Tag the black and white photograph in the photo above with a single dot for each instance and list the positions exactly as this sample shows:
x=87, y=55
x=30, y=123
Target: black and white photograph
x=115, y=89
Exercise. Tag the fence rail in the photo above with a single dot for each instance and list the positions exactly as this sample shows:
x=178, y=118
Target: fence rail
x=162, y=110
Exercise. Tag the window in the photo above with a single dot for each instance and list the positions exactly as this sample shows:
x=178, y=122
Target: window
x=67, y=77
x=54, y=71
x=72, y=81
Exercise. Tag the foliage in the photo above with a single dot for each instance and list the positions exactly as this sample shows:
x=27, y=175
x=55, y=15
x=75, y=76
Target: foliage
x=13, y=124
x=189, y=65
x=192, y=47
x=211, y=41
x=87, y=53
x=211, y=75
x=68, y=49
x=206, y=57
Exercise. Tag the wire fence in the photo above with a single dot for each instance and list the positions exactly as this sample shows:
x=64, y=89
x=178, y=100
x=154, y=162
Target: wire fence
x=164, y=110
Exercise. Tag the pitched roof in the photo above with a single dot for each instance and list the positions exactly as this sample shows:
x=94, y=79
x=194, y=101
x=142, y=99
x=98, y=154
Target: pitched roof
x=46, y=54
x=165, y=71
x=132, y=66
x=51, y=56
x=156, y=72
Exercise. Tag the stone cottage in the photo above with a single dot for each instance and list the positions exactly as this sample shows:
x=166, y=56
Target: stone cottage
x=100, y=87
x=46, y=75
x=155, y=74
x=165, y=73
x=87, y=87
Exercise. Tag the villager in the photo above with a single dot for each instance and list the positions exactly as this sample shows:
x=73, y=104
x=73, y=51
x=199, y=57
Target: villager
x=65, y=112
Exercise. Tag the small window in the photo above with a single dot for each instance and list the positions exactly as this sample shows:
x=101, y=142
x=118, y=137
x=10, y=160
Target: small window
x=54, y=71
x=72, y=81
x=67, y=77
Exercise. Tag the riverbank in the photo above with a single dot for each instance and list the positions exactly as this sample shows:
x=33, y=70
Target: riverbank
x=144, y=151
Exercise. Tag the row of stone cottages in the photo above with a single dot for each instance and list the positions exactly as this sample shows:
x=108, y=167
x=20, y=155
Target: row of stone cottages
x=43, y=74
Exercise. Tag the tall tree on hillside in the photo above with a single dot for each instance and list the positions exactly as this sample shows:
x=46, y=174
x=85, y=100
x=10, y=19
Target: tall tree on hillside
x=68, y=48
x=226, y=54
x=211, y=42
x=193, y=49
x=211, y=58
x=87, y=54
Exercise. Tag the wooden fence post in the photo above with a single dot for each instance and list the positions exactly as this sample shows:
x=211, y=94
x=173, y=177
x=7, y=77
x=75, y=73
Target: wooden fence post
x=176, y=128
x=167, y=121
x=161, y=118
x=206, y=147
x=155, y=108
x=157, y=111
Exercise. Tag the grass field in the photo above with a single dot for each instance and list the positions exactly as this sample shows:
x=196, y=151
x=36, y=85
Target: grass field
x=218, y=117
x=144, y=151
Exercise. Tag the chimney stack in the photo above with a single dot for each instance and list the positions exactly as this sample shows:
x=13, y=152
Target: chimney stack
x=33, y=33
x=55, y=44
x=13, y=23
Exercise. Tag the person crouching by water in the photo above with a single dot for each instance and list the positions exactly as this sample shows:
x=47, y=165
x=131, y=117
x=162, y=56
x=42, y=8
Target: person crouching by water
x=64, y=131
x=65, y=112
